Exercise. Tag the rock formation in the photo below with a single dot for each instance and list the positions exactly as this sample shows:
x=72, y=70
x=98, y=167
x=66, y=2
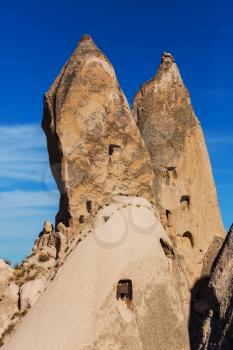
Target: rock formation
x=95, y=149
x=122, y=286
x=8, y=298
x=110, y=276
x=21, y=286
x=217, y=332
x=184, y=186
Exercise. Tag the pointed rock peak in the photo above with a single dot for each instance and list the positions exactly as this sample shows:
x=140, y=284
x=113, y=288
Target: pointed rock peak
x=167, y=57
x=86, y=45
x=86, y=37
x=86, y=40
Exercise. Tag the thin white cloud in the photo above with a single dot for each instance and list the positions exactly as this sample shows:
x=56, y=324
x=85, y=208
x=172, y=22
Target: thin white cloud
x=23, y=153
x=28, y=193
x=219, y=140
x=26, y=199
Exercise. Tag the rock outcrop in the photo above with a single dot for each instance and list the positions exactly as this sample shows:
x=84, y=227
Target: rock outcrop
x=8, y=299
x=95, y=148
x=21, y=286
x=217, y=331
x=184, y=186
x=121, y=288
x=111, y=276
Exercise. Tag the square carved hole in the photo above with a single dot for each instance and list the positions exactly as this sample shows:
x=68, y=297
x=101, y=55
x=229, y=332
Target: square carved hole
x=124, y=290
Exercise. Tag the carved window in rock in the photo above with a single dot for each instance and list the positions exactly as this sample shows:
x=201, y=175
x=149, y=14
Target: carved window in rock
x=171, y=174
x=168, y=217
x=112, y=148
x=185, y=201
x=124, y=290
x=188, y=236
x=89, y=206
x=167, y=248
x=82, y=219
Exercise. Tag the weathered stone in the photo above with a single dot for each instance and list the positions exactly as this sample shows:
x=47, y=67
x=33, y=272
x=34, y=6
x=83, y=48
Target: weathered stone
x=8, y=303
x=95, y=148
x=210, y=255
x=48, y=227
x=29, y=293
x=126, y=246
x=217, y=329
x=184, y=186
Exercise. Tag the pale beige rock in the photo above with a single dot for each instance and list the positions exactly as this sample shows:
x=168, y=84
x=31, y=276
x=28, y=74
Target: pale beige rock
x=30, y=291
x=48, y=227
x=95, y=148
x=8, y=304
x=79, y=309
x=184, y=186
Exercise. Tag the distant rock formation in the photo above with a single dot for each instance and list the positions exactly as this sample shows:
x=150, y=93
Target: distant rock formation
x=217, y=332
x=184, y=186
x=95, y=148
x=22, y=285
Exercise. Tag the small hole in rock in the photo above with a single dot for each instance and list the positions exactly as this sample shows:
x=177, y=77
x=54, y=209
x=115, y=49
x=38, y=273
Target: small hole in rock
x=189, y=235
x=124, y=290
x=112, y=148
x=81, y=219
x=167, y=248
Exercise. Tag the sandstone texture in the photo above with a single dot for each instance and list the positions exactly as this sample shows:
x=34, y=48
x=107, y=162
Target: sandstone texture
x=138, y=223
x=8, y=298
x=21, y=286
x=184, y=185
x=80, y=309
x=217, y=331
x=95, y=148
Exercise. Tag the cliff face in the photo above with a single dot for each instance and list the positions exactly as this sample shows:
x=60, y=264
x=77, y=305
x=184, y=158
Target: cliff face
x=94, y=146
x=218, y=324
x=184, y=186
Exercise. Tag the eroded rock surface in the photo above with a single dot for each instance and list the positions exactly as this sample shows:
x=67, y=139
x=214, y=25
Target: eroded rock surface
x=95, y=148
x=127, y=243
x=184, y=186
x=21, y=286
x=217, y=332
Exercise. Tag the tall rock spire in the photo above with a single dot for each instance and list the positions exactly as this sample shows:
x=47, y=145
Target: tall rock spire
x=184, y=185
x=95, y=148
x=134, y=295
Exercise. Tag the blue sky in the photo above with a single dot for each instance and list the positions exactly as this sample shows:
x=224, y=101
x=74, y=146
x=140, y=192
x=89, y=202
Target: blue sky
x=37, y=37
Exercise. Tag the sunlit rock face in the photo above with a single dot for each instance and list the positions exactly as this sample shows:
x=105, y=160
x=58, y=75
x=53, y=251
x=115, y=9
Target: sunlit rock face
x=184, y=186
x=121, y=288
x=95, y=148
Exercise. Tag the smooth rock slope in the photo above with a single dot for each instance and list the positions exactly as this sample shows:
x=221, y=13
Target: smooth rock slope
x=184, y=186
x=80, y=310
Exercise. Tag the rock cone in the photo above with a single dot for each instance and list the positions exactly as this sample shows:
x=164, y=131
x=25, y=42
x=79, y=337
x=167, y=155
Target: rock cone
x=184, y=186
x=94, y=146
